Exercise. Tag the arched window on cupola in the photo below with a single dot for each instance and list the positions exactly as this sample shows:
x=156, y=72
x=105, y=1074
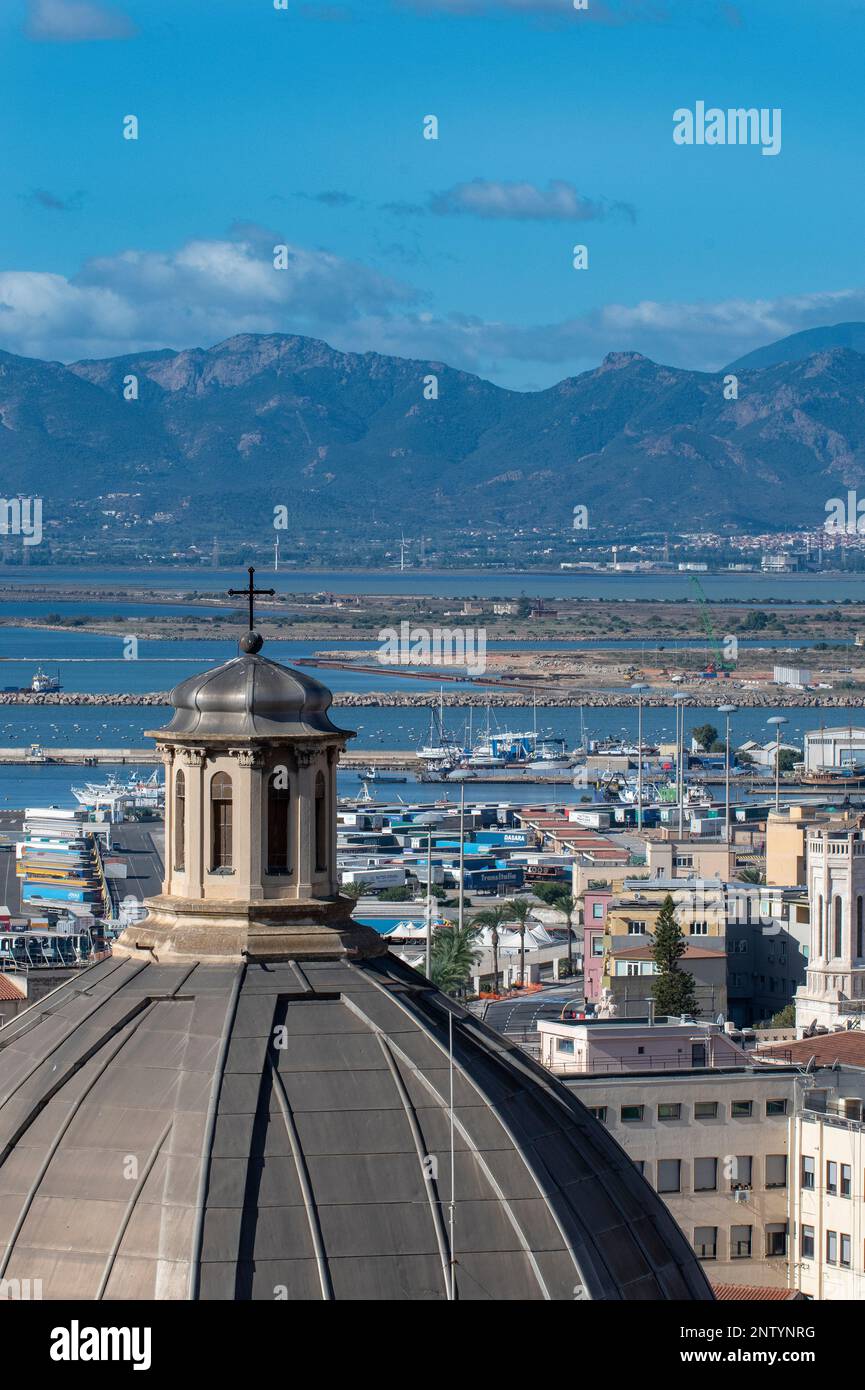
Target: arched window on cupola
x=820, y=927
x=180, y=820
x=220, y=823
x=278, y=823
x=320, y=824
x=837, y=942
x=860, y=944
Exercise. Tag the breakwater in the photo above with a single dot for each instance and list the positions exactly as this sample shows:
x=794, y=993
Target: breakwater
x=589, y=699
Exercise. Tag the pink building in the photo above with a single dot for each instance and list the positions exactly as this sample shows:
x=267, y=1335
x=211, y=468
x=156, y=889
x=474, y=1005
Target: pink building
x=595, y=904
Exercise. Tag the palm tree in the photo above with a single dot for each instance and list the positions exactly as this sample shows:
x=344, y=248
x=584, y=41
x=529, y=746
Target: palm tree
x=568, y=904
x=518, y=910
x=493, y=917
x=453, y=953
x=355, y=890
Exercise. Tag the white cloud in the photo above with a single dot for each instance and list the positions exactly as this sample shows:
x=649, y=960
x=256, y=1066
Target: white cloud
x=76, y=21
x=492, y=198
x=204, y=291
x=208, y=290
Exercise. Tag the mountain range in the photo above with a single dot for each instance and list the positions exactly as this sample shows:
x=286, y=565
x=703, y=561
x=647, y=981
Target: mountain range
x=257, y=421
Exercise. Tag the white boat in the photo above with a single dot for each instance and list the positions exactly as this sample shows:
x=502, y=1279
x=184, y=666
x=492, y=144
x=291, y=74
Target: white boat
x=137, y=791
x=43, y=684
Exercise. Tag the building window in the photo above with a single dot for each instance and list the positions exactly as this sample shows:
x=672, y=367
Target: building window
x=597, y=945
x=831, y=1247
x=776, y=1239
x=740, y=1243
x=806, y=1243
x=846, y=1252
x=565, y=1045
x=776, y=1170
x=180, y=821
x=320, y=824
x=741, y=1176
x=705, y=1174
x=599, y=1112
x=669, y=1175
x=831, y=1178
x=846, y=1180
x=699, y=929
x=808, y=1172
x=220, y=823
x=860, y=939
x=706, y=1242
x=776, y=1107
x=669, y=1112
x=278, y=823
x=837, y=941
x=706, y=1110
x=631, y=1114
x=597, y=910
x=741, y=1109
x=640, y=1165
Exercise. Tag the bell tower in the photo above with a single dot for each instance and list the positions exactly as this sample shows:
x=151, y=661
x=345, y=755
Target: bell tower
x=250, y=761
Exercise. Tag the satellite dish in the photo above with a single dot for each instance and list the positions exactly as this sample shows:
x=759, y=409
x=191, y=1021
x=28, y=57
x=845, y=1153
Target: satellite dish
x=811, y=1029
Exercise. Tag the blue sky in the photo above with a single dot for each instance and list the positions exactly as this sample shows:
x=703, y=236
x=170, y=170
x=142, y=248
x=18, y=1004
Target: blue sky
x=304, y=127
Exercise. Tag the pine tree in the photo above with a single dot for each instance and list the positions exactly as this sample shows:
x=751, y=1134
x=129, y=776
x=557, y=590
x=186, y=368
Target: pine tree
x=673, y=989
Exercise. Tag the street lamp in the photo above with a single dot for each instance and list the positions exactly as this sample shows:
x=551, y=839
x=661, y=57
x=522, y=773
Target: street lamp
x=777, y=720
x=679, y=701
x=639, y=690
x=727, y=710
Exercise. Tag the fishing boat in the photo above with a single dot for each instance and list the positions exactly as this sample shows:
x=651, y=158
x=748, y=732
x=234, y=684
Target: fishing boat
x=43, y=684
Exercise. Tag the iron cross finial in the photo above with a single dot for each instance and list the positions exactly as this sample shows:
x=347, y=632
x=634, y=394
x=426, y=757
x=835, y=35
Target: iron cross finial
x=250, y=593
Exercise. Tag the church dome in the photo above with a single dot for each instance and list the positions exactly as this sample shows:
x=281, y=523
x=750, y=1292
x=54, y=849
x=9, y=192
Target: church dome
x=249, y=696
x=290, y=1129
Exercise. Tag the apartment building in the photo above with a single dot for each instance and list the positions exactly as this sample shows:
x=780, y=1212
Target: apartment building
x=827, y=1164
x=714, y=1145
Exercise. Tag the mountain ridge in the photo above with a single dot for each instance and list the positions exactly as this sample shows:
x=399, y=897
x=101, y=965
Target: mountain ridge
x=266, y=419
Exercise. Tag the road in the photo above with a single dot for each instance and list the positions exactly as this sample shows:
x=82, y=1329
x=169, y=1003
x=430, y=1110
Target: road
x=518, y=1016
x=140, y=847
x=10, y=884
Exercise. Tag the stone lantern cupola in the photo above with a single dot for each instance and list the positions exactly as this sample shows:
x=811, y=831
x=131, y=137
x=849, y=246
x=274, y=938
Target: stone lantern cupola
x=250, y=826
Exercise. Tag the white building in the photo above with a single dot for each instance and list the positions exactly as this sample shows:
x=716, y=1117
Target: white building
x=833, y=749
x=834, y=989
x=791, y=675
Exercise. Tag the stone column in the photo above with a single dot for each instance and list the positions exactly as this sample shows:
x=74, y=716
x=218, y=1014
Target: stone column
x=249, y=849
x=191, y=882
x=303, y=816
x=330, y=784
x=167, y=752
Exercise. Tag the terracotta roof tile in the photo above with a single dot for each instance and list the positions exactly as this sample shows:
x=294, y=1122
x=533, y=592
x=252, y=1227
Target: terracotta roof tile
x=824, y=1047
x=756, y=1293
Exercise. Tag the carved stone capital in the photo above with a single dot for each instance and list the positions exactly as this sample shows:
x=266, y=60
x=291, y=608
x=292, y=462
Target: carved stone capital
x=247, y=757
x=305, y=754
x=194, y=757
